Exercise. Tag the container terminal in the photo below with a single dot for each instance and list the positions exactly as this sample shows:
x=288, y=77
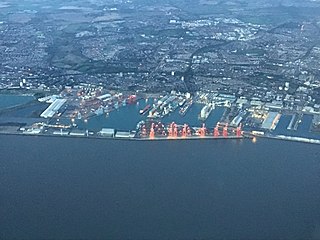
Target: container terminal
x=146, y=131
x=158, y=130
x=170, y=115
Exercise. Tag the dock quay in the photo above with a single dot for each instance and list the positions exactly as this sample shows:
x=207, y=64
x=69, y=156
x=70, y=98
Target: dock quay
x=297, y=139
x=294, y=123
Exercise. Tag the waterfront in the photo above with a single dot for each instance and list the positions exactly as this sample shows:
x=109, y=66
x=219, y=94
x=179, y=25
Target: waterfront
x=303, y=129
x=127, y=117
x=222, y=189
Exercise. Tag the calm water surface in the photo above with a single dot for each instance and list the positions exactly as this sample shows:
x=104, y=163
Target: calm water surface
x=13, y=100
x=126, y=118
x=63, y=188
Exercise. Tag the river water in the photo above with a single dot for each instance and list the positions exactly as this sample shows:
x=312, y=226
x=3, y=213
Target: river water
x=73, y=188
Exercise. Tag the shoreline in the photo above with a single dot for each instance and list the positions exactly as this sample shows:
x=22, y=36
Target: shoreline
x=191, y=138
x=157, y=139
x=290, y=138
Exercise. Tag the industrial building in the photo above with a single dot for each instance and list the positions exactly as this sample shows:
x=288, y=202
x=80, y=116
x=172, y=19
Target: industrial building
x=123, y=134
x=53, y=108
x=107, y=132
x=77, y=133
x=236, y=121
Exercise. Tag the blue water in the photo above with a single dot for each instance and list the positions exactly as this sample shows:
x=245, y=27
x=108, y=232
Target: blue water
x=303, y=127
x=127, y=117
x=71, y=188
x=191, y=117
x=13, y=100
x=283, y=124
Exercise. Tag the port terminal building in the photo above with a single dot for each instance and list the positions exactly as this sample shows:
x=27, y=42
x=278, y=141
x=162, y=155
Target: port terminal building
x=53, y=108
x=107, y=132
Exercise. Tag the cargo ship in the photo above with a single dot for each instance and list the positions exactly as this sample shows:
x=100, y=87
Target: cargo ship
x=182, y=102
x=173, y=106
x=205, y=112
x=185, y=108
x=99, y=111
x=143, y=111
x=166, y=111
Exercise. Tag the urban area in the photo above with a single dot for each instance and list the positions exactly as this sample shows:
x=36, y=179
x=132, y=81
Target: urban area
x=168, y=70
